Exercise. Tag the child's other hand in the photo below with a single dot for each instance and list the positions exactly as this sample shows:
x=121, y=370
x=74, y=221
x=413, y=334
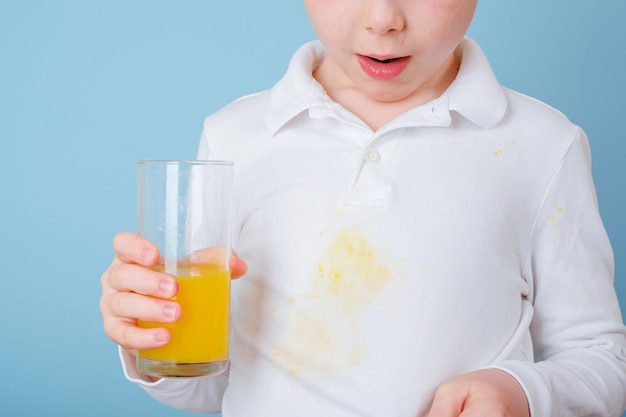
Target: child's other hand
x=484, y=393
x=132, y=291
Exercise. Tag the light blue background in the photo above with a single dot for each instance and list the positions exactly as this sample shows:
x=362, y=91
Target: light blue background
x=89, y=87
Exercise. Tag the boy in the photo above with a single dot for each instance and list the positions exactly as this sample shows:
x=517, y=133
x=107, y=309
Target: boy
x=420, y=241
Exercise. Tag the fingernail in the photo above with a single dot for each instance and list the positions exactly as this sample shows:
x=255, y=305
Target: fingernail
x=166, y=286
x=169, y=311
x=147, y=254
x=161, y=336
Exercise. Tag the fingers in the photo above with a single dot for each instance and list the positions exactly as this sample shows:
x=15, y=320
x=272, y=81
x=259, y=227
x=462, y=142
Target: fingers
x=127, y=305
x=133, y=338
x=121, y=310
x=131, y=248
x=120, y=325
x=135, y=278
x=448, y=401
x=131, y=292
x=483, y=393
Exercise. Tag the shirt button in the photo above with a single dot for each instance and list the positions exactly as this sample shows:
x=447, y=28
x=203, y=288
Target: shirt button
x=372, y=156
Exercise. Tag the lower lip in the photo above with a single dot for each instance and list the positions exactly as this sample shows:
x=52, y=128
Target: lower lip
x=382, y=71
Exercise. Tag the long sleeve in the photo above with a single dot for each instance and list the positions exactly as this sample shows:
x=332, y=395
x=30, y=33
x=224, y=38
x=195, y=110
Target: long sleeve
x=577, y=330
x=200, y=395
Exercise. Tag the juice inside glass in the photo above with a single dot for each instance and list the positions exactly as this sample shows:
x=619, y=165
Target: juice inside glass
x=199, y=339
x=185, y=209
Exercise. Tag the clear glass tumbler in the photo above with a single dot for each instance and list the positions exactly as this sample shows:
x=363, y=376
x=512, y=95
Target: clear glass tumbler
x=185, y=209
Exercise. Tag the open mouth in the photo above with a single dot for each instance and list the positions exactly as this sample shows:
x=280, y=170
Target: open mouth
x=383, y=68
x=383, y=61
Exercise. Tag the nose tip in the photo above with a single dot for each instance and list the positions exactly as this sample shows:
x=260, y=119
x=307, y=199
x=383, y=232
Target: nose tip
x=384, y=18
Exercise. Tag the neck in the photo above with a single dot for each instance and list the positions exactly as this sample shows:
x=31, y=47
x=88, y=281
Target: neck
x=376, y=112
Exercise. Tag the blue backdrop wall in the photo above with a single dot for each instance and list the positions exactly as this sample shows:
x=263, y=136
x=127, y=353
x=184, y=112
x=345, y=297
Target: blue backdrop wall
x=89, y=87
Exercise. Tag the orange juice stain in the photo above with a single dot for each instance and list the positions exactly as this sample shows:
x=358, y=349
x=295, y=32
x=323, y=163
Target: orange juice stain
x=325, y=323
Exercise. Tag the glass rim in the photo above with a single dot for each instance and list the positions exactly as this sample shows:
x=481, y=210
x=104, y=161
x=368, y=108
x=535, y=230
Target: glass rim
x=185, y=162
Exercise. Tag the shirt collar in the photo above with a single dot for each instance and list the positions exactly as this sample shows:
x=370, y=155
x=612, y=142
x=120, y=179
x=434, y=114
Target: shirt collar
x=295, y=92
x=475, y=93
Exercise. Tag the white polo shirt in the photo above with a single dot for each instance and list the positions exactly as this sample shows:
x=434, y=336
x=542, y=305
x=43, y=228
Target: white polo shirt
x=464, y=234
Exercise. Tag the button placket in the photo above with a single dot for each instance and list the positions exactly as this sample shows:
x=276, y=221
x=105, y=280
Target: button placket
x=372, y=179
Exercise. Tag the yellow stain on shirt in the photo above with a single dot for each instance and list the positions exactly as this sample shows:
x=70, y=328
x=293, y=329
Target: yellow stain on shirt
x=499, y=152
x=351, y=273
x=324, y=331
x=555, y=222
x=554, y=219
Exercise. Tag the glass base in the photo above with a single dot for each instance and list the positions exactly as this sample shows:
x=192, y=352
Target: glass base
x=180, y=370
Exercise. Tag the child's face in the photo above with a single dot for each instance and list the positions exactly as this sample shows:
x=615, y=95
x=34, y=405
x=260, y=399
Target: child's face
x=417, y=36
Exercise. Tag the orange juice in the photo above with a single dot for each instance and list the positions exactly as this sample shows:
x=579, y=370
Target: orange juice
x=201, y=334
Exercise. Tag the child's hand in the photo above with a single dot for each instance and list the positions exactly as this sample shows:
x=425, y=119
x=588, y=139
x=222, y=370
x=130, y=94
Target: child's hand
x=131, y=291
x=484, y=393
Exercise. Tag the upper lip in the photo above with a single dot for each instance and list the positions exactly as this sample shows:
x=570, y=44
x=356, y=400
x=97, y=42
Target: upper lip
x=383, y=58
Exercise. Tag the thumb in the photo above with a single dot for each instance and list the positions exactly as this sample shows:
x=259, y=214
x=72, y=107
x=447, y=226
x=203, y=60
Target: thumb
x=217, y=256
x=238, y=267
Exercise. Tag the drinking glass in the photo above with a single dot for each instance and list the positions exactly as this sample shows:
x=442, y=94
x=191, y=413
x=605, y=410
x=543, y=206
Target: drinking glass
x=185, y=209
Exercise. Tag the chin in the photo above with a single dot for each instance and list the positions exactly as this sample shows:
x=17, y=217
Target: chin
x=386, y=95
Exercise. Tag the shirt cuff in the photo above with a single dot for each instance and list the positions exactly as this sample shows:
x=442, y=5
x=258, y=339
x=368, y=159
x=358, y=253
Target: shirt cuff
x=531, y=381
x=129, y=366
